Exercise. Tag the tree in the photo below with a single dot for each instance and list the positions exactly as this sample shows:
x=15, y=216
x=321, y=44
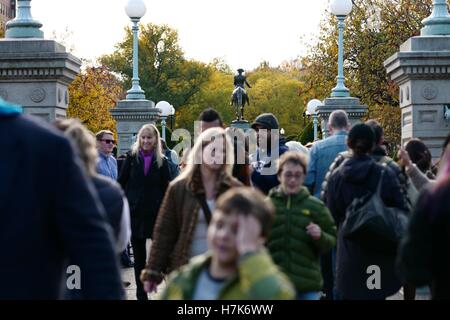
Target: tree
x=273, y=90
x=165, y=74
x=92, y=94
x=374, y=31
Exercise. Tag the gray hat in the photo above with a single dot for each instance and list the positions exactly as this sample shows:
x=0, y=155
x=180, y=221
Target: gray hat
x=267, y=120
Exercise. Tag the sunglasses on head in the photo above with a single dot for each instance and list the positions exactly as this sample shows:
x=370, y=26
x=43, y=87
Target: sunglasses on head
x=108, y=141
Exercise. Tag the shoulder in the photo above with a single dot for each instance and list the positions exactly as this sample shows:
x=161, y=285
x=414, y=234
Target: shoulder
x=105, y=183
x=42, y=139
x=231, y=181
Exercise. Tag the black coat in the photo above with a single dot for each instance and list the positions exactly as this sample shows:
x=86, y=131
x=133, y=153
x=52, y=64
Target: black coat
x=353, y=179
x=50, y=214
x=144, y=193
x=111, y=196
x=424, y=257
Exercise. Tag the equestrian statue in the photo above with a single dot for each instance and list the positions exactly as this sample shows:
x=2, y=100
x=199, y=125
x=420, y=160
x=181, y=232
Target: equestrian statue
x=240, y=97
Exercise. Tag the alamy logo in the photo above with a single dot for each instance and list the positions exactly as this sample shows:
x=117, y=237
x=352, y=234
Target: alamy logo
x=74, y=279
x=374, y=280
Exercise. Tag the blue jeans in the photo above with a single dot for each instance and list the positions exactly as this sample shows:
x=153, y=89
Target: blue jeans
x=312, y=295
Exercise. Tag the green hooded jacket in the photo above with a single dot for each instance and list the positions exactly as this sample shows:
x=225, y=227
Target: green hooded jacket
x=297, y=254
x=258, y=278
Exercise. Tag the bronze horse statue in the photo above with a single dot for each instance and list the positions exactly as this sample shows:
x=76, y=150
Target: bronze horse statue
x=239, y=97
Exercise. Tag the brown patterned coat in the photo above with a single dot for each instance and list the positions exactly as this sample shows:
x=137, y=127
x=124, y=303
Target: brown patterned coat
x=175, y=225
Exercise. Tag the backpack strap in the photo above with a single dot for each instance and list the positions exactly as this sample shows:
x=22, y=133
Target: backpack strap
x=205, y=208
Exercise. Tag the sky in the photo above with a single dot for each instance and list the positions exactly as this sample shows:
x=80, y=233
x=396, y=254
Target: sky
x=243, y=33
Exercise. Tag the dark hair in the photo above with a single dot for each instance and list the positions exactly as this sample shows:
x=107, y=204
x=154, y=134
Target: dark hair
x=248, y=201
x=419, y=154
x=361, y=139
x=210, y=115
x=293, y=157
x=377, y=129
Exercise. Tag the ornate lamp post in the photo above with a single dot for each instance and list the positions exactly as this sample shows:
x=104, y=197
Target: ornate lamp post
x=166, y=110
x=439, y=21
x=135, y=9
x=341, y=8
x=24, y=26
x=311, y=110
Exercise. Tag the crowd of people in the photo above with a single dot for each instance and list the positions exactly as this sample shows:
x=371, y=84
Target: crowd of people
x=340, y=220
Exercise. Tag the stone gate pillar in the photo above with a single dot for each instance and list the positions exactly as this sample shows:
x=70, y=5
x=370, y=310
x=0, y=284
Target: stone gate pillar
x=422, y=71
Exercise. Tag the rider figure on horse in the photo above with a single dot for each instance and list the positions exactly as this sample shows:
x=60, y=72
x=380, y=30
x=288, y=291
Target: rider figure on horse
x=240, y=81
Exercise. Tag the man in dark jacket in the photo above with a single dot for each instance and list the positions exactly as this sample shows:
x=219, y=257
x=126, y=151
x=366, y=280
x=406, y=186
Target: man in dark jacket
x=49, y=214
x=270, y=148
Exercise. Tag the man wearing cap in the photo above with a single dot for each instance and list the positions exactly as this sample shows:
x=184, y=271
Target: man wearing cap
x=270, y=147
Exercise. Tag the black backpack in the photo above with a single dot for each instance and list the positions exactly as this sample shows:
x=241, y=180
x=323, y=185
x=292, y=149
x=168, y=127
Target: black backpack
x=372, y=224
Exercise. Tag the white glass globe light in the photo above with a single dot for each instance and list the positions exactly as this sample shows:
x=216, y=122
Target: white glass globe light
x=341, y=7
x=173, y=111
x=312, y=106
x=165, y=107
x=135, y=8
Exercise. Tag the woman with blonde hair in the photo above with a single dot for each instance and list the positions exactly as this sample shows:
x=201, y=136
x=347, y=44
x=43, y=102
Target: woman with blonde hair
x=181, y=227
x=145, y=177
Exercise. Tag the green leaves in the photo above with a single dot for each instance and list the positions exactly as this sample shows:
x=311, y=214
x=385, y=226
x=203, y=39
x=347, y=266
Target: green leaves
x=93, y=92
x=164, y=72
x=374, y=31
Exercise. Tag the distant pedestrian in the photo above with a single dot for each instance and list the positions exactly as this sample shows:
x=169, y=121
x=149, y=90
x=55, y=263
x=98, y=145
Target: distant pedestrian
x=145, y=177
x=172, y=159
x=210, y=118
x=270, y=148
x=107, y=164
x=108, y=167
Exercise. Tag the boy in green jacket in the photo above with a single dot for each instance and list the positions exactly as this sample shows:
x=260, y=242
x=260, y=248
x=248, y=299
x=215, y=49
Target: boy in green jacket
x=303, y=228
x=236, y=267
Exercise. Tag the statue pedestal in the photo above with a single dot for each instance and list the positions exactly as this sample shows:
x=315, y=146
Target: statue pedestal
x=240, y=124
x=421, y=69
x=36, y=73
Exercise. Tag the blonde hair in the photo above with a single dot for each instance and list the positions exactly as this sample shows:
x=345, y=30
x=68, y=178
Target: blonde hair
x=151, y=128
x=195, y=156
x=84, y=142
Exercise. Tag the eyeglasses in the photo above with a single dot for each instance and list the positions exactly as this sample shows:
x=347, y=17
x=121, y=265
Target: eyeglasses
x=289, y=176
x=108, y=141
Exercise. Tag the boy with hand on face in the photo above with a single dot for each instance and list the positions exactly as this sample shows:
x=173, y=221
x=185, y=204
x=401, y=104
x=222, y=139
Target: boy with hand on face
x=236, y=266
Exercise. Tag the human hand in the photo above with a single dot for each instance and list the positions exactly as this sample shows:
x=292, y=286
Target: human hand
x=248, y=237
x=314, y=231
x=150, y=286
x=150, y=280
x=404, y=158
